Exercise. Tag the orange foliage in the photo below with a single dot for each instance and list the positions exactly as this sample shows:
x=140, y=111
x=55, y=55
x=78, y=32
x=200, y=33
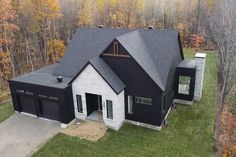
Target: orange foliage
x=197, y=41
x=228, y=135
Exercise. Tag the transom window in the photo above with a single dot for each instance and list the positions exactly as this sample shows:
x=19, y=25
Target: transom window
x=184, y=85
x=142, y=100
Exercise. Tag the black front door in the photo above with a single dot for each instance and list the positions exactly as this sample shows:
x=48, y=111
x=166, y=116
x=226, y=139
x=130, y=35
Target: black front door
x=94, y=103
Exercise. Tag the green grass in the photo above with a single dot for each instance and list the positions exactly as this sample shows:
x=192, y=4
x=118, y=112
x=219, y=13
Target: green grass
x=6, y=110
x=190, y=132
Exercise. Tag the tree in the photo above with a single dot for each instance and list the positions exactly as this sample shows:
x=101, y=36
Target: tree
x=221, y=30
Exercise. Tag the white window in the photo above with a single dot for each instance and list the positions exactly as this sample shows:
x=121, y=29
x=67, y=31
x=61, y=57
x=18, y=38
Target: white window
x=130, y=104
x=109, y=109
x=184, y=85
x=142, y=100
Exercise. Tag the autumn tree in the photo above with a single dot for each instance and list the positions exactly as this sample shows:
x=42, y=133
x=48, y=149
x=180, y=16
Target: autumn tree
x=221, y=30
x=45, y=14
x=7, y=64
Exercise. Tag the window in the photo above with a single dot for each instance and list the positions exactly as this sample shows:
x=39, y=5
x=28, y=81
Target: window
x=29, y=93
x=115, y=48
x=79, y=103
x=130, y=104
x=142, y=100
x=20, y=91
x=109, y=109
x=184, y=85
x=53, y=98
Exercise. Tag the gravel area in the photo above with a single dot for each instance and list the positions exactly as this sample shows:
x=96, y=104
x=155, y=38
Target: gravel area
x=88, y=130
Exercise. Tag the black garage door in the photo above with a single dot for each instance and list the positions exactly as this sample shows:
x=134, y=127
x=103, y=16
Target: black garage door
x=27, y=103
x=49, y=109
x=48, y=106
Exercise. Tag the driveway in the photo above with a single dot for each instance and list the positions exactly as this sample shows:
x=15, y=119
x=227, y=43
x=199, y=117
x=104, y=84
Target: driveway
x=20, y=135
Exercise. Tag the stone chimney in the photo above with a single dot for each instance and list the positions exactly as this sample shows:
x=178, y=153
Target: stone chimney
x=200, y=64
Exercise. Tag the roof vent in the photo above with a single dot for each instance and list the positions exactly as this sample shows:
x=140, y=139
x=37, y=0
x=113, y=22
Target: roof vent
x=100, y=26
x=59, y=78
x=150, y=27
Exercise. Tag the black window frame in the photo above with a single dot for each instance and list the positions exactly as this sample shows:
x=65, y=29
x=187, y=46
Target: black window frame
x=79, y=103
x=109, y=116
x=130, y=106
x=143, y=100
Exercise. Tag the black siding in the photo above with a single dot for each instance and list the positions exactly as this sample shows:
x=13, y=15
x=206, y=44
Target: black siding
x=65, y=100
x=138, y=84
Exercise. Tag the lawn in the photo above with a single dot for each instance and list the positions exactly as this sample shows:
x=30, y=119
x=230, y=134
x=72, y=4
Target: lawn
x=190, y=132
x=6, y=110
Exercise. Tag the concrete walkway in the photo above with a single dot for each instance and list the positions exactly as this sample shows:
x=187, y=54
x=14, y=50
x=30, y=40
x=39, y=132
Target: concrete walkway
x=20, y=135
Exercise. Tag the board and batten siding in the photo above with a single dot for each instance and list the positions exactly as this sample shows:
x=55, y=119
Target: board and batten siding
x=90, y=81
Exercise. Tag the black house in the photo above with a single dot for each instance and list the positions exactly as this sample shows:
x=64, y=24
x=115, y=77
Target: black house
x=112, y=76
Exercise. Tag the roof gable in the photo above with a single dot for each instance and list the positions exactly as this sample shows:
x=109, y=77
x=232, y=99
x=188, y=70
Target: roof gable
x=135, y=46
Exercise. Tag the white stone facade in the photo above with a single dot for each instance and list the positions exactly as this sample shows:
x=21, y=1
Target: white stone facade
x=90, y=81
x=200, y=64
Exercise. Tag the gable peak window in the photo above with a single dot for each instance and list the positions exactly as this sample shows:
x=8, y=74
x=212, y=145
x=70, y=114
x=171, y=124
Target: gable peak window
x=116, y=48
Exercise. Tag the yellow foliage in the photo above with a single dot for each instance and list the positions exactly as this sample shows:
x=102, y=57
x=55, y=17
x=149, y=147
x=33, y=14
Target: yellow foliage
x=45, y=11
x=85, y=16
x=56, y=49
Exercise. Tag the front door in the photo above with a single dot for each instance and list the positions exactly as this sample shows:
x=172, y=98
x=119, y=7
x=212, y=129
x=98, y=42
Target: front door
x=94, y=103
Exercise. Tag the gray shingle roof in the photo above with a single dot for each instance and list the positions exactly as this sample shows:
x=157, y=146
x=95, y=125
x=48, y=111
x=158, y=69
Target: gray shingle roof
x=187, y=64
x=86, y=43
x=155, y=50
x=108, y=75
x=44, y=77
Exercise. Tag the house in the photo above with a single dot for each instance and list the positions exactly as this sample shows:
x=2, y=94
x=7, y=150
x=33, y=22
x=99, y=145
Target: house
x=113, y=76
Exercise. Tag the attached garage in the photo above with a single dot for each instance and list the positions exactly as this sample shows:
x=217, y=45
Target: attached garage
x=41, y=95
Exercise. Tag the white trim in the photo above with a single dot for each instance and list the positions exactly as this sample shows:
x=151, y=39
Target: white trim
x=28, y=114
x=167, y=114
x=50, y=120
x=185, y=102
x=154, y=127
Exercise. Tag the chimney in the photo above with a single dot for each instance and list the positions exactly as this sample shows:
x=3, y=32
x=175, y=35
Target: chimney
x=100, y=26
x=59, y=79
x=150, y=27
x=200, y=64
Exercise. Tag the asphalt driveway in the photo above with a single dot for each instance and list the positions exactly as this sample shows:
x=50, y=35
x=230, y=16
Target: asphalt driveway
x=20, y=135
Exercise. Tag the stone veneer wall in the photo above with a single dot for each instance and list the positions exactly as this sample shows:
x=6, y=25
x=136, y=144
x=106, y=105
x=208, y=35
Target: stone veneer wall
x=200, y=64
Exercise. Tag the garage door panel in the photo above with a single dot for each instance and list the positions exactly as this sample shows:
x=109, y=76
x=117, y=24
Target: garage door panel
x=49, y=109
x=27, y=104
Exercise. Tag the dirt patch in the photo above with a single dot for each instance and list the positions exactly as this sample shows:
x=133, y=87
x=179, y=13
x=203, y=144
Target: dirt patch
x=89, y=130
